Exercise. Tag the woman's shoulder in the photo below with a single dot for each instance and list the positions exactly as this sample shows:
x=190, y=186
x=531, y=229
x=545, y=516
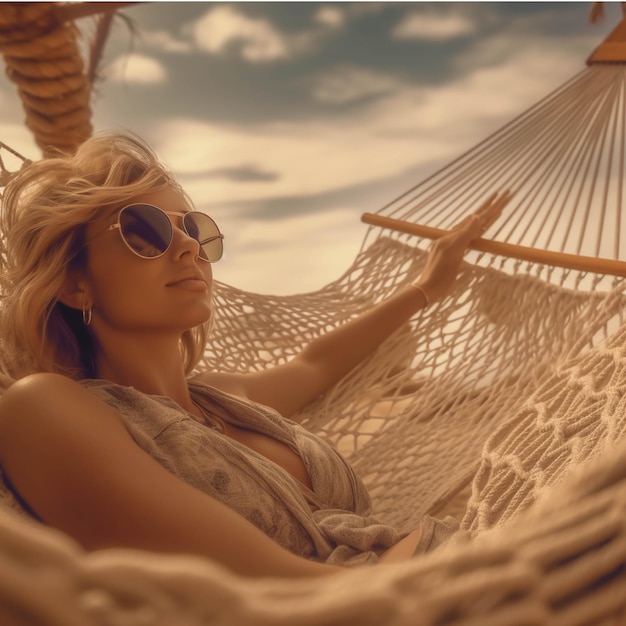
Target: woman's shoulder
x=52, y=408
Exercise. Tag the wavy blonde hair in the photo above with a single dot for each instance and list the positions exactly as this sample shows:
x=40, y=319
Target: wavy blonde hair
x=45, y=211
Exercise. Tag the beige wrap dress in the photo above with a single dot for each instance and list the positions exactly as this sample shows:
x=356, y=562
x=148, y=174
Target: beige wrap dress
x=329, y=522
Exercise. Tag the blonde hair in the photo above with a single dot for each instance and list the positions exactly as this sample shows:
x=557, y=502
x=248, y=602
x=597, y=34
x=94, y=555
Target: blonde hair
x=45, y=210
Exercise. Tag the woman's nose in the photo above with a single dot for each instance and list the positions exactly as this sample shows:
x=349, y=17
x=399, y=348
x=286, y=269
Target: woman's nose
x=183, y=243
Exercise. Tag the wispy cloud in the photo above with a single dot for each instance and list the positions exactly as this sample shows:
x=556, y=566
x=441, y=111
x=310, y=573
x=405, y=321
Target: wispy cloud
x=257, y=40
x=348, y=83
x=433, y=26
x=401, y=131
x=136, y=68
x=244, y=173
x=332, y=16
x=165, y=41
x=565, y=54
x=309, y=157
x=224, y=26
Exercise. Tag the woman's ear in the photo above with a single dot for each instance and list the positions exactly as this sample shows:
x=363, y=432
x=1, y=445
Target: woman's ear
x=74, y=293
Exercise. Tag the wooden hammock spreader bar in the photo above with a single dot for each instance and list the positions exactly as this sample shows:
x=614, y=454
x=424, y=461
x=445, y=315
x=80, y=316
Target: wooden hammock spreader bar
x=523, y=253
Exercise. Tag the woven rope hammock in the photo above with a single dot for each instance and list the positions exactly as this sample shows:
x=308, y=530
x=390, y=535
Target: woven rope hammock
x=504, y=404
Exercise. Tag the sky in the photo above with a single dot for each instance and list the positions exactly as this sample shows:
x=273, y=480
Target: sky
x=286, y=121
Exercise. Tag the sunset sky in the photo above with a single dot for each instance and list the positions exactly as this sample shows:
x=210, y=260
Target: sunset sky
x=286, y=121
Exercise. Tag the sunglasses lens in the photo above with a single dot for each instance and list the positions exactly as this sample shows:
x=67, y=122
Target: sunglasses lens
x=203, y=229
x=146, y=229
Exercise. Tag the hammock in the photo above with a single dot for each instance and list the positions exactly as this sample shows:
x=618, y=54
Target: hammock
x=503, y=404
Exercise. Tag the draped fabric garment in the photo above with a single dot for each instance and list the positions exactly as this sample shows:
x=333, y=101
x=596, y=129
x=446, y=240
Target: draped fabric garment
x=331, y=523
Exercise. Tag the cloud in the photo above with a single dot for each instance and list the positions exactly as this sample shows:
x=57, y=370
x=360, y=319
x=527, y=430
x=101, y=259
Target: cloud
x=348, y=83
x=136, y=68
x=309, y=157
x=225, y=29
x=223, y=26
x=433, y=26
x=406, y=130
x=244, y=173
x=331, y=16
x=500, y=49
x=165, y=41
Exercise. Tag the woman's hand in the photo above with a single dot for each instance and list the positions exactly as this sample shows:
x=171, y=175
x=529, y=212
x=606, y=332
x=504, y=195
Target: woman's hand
x=446, y=253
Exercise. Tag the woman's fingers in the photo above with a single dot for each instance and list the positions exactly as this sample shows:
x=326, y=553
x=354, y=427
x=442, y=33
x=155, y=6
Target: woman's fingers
x=490, y=210
x=446, y=254
x=480, y=221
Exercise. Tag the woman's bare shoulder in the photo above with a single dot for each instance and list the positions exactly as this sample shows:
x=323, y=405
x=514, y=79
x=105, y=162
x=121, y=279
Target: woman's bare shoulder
x=37, y=395
x=51, y=407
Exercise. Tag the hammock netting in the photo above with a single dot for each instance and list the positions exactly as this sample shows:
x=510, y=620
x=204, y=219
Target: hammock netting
x=415, y=417
x=503, y=404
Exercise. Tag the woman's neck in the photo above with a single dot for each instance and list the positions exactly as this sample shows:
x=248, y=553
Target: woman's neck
x=150, y=365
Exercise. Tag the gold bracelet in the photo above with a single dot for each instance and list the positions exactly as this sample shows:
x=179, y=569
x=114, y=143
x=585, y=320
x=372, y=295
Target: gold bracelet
x=423, y=292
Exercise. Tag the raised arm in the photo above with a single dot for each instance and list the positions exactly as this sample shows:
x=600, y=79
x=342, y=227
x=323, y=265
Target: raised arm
x=289, y=387
x=72, y=460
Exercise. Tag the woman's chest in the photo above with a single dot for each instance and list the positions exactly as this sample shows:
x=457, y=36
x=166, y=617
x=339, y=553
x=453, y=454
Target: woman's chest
x=272, y=449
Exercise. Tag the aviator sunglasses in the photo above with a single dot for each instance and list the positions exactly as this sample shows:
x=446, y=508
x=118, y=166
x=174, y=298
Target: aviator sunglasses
x=148, y=231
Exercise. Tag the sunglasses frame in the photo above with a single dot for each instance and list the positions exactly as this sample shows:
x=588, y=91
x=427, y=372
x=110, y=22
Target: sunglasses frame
x=118, y=225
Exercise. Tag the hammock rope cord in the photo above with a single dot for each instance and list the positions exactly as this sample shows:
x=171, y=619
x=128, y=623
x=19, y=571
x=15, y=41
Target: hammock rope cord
x=565, y=160
x=503, y=404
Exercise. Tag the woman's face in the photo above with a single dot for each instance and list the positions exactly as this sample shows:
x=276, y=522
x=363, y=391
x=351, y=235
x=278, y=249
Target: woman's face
x=170, y=293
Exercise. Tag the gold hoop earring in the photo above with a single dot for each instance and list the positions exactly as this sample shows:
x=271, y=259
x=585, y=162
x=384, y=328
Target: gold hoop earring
x=86, y=315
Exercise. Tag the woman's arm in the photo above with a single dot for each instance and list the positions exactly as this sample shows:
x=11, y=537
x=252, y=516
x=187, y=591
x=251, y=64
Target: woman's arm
x=71, y=458
x=289, y=387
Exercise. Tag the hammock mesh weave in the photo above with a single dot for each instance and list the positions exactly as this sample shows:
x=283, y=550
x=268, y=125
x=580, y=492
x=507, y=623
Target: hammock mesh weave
x=503, y=404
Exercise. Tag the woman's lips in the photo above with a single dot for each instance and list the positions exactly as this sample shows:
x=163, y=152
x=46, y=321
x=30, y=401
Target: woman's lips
x=192, y=284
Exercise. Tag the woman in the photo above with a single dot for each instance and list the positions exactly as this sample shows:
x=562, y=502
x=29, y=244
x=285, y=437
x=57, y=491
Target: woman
x=108, y=436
